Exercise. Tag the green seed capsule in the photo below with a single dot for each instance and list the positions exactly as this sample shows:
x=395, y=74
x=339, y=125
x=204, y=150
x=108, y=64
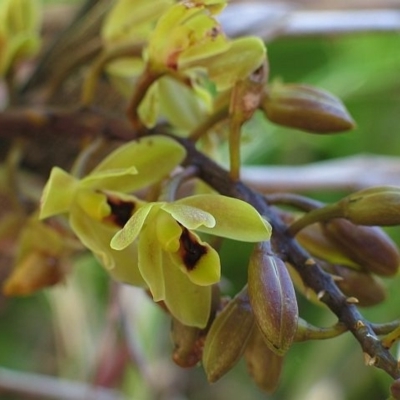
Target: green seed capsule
x=227, y=337
x=272, y=298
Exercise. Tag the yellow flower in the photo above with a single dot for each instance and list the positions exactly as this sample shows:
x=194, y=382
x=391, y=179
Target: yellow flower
x=152, y=245
x=95, y=213
x=19, y=31
x=178, y=267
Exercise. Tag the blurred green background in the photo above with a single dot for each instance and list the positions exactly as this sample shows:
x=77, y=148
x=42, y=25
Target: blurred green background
x=364, y=71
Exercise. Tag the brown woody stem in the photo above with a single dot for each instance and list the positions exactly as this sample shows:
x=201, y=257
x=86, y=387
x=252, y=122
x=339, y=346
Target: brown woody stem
x=34, y=124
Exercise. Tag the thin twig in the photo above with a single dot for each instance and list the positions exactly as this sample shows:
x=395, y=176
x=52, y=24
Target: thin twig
x=347, y=173
x=274, y=20
x=47, y=387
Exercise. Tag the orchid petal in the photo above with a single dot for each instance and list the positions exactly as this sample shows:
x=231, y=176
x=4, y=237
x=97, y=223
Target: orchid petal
x=94, y=204
x=187, y=302
x=149, y=107
x=189, y=216
x=128, y=234
x=96, y=236
x=154, y=157
x=169, y=36
x=182, y=106
x=235, y=219
x=198, y=260
x=107, y=178
x=130, y=18
x=243, y=57
x=168, y=232
x=58, y=193
x=150, y=261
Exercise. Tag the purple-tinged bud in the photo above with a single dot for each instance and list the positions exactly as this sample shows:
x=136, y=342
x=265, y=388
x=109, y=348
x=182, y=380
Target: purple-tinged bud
x=264, y=365
x=368, y=246
x=228, y=336
x=316, y=241
x=272, y=298
x=395, y=389
x=188, y=344
x=307, y=108
x=368, y=289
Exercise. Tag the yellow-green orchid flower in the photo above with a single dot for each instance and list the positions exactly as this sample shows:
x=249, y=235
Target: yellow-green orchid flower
x=186, y=44
x=96, y=204
x=187, y=32
x=19, y=31
x=177, y=266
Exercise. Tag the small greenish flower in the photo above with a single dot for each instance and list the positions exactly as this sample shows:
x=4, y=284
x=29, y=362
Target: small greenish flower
x=129, y=24
x=152, y=245
x=178, y=267
x=132, y=20
x=97, y=205
x=19, y=31
x=186, y=46
x=186, y=33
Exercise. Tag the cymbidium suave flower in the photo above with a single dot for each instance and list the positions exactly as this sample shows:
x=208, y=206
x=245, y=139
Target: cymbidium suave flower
x=187, y=46
x=152, y=244
x=19, y=31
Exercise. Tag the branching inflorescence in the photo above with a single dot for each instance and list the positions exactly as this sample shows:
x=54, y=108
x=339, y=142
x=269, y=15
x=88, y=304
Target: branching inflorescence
x=187, y=87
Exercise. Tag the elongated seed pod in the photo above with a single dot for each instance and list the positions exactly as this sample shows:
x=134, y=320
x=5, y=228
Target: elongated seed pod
x=272, y=298
x=227, y=337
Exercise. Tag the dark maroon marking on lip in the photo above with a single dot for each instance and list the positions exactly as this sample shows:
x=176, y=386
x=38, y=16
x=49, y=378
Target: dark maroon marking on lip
x=121, y=210
x=191, y=251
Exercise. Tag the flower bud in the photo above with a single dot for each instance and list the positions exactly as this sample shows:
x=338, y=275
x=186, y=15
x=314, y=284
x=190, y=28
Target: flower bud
x=272, y=298
x=369, y=246
x=264, y=365
x=395, y=389
x=366, y=288
x=373, y=206
x=307, y=108
x=317, y=242
x=188, y=344
x=34, y=272
x=228, y=336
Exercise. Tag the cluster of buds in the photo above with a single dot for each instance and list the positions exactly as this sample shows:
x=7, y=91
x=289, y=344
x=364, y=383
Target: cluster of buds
x=356, y=255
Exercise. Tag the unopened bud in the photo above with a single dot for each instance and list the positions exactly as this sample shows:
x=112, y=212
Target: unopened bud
x=34, y=272
x=227, y=337
x=373, y=206
x=368, y=246
x=395, y=389
x=366, y=288
x=264, y=365
x=307, y=108
x=188, y=344
x=315, y=240
x=272, y=298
